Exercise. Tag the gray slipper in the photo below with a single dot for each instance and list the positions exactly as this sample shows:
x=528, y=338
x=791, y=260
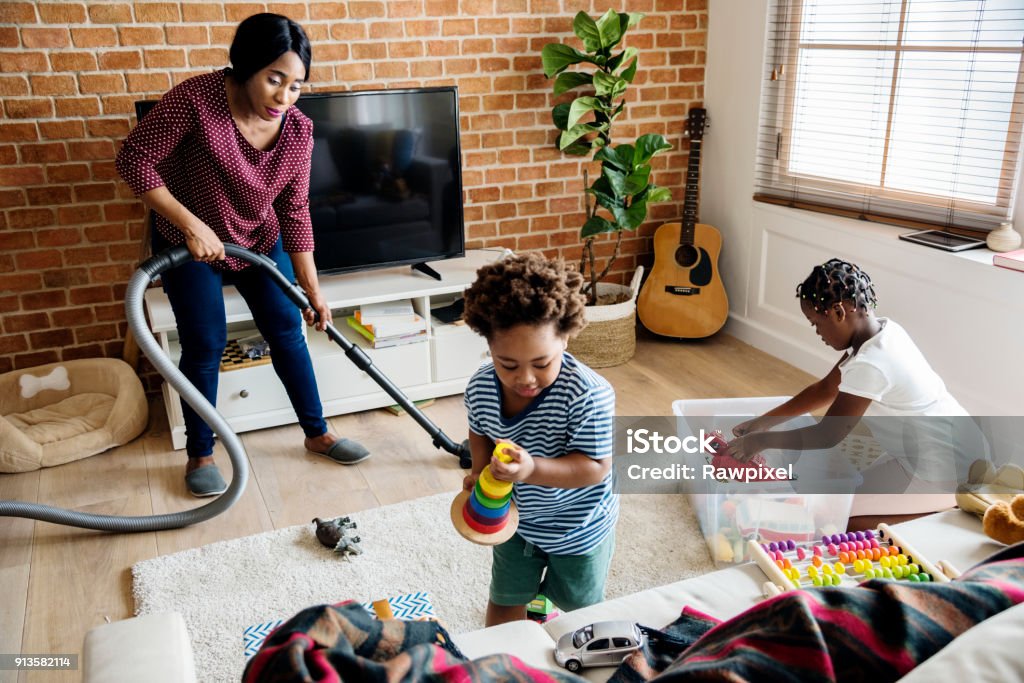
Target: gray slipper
x=346, y=452
x=205, y=481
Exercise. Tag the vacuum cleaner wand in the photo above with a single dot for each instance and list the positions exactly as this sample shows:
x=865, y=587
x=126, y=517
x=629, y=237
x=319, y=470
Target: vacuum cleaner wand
x=354, y=353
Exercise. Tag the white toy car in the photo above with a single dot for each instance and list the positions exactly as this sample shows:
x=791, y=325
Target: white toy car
x=605, y=643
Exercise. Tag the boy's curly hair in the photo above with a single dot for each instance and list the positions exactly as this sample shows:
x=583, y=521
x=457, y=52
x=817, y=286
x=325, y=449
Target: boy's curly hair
x=835, y=281
x=526, y=289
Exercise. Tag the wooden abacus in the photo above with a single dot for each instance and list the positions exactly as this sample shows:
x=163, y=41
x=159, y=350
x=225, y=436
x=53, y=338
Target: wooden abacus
x=487, y=515
x=845, y=559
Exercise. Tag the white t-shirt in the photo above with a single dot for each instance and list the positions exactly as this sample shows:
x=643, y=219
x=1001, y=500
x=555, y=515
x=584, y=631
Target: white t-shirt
x=910, y=407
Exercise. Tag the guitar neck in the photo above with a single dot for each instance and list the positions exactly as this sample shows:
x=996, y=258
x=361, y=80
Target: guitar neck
x=686, y=235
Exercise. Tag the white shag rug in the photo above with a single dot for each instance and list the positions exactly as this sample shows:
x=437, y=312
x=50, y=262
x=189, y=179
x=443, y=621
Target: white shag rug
x=407, y=547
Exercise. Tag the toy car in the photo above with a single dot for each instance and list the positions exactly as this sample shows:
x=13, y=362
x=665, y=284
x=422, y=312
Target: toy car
x=605, y=643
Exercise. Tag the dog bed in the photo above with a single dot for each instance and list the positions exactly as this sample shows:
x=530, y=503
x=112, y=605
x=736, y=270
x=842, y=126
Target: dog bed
x=57, y=413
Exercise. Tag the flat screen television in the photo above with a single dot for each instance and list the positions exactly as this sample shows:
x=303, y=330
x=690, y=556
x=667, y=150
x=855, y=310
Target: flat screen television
x=386, y=177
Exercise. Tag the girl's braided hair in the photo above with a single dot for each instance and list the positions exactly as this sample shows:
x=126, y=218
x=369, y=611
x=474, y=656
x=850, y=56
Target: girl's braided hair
x=526, y=289
x=835, y=281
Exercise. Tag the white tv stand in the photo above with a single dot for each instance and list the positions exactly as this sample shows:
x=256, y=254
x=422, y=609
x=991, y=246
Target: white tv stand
x=441, y=365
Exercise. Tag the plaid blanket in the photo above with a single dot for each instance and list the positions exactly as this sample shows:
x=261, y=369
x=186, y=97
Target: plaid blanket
x=878, y=631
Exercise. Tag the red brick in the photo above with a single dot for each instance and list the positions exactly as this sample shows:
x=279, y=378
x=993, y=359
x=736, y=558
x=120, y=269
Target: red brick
x=369, y=51
x=40, y=217
x=9, y=198
x=216, y=56
x=72, y=61
x=112, y=232
x=92, y=295
x=13, y=343
x=61, y=130
x=53, y=85
x=38, y=260
x=145, y=36
x=366, y=10
x=85, y=255
x=206, y=12
x=331, y=52
x=187, y=35
x=58, y=237
x=77, y=107
x=46, y=152
x=61, y=13
x=79, y=214
x=94, y=192
x=415, y=29
x=386, y=30
x=425, y=69
x=292, y=10
x=31, y=360
x=21, y=176
x=492, y=64
x=105, y=170
x=18, y=13
x=118, y=104
x=72, y=317
x=108, y=127
x=148, y=82
x=493, y=27
x=477, y=46
x=26, y=322
x=88, y=351
x=156, y=12
x=458, y=27
x=68, y=173
x=110, y=14
x=9, y=37
x=391, y=70
x=329, y=10
x=19, y=282
x=443, y=48
x=91, y=149
x=94, y=37
x=23, y=108
x=155, y=58
x=13, y=86
x=120, y=60
x=101, y=83
x=45, y=37
x=8, y=155
x=236, y=11
x=126, y=211
x=25, y=61
x=51, y=339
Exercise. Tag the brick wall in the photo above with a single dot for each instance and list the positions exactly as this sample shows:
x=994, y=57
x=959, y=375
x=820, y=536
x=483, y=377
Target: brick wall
x=70, y=229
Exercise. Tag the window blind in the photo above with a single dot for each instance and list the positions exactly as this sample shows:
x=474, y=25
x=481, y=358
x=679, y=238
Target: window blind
x=903, y=111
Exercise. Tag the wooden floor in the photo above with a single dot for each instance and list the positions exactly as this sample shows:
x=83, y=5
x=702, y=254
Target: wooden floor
x=59, y=582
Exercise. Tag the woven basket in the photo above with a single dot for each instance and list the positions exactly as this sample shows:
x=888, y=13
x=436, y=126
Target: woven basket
x=610, y=335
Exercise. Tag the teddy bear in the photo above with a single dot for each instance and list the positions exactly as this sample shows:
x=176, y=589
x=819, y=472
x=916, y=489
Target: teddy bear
x=1004, y=522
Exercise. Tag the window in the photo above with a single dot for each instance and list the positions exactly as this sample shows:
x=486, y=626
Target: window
x=599, y=644
x=903, y=111
x=621, y=642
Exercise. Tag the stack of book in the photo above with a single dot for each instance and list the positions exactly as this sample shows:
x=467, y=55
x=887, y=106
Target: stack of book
x=389, y=324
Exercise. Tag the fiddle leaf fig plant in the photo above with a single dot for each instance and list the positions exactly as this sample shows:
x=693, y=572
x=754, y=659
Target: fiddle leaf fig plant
x=617, y=200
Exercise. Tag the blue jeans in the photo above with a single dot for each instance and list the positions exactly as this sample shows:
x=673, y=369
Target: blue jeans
x=195, y=291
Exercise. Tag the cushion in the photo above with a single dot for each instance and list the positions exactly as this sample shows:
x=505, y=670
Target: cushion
x=153, y=648
x=987, y=653
x=57, y=413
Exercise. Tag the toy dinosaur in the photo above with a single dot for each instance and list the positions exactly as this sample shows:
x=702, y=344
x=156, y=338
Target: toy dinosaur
x=332, y=534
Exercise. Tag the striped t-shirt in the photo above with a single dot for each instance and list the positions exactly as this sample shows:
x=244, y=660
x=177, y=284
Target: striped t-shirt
x=189, y=143
x=574, y=414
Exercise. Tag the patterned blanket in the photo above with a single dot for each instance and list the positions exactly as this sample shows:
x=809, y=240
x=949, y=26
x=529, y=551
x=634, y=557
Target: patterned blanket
x=877, y=631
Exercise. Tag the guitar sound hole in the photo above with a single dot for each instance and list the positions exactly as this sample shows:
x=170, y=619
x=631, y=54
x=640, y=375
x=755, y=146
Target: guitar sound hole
x=687, y=255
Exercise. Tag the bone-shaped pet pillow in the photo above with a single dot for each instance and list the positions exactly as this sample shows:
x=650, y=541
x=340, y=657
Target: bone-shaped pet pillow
x=31, y=385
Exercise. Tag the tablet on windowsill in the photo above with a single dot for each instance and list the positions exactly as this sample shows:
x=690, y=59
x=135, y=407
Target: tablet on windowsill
x=943, y=240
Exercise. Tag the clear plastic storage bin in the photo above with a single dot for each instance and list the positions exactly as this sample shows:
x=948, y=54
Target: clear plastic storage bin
x=730, y=513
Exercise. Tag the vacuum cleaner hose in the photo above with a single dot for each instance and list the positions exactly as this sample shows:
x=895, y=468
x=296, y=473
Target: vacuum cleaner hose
x=137, y=285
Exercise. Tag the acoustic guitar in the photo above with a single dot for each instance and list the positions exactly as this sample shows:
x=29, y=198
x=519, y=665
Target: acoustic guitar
x=684, y=295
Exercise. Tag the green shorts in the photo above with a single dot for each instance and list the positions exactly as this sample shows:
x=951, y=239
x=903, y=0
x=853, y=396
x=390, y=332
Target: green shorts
x=571, y=581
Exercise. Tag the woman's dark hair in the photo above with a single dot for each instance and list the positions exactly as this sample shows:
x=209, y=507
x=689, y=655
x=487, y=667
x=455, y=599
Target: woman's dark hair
x=835, y=281
x=526, y=289
x=261, y=39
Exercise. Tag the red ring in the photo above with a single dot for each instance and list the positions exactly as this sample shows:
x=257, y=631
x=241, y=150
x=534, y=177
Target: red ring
x=482, y=528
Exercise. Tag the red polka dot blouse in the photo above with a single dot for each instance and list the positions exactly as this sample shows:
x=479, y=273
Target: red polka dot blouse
x=189, y=143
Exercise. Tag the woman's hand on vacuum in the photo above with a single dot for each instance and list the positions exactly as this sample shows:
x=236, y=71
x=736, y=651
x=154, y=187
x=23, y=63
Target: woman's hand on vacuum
x=318, y=306
x=203, y=243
